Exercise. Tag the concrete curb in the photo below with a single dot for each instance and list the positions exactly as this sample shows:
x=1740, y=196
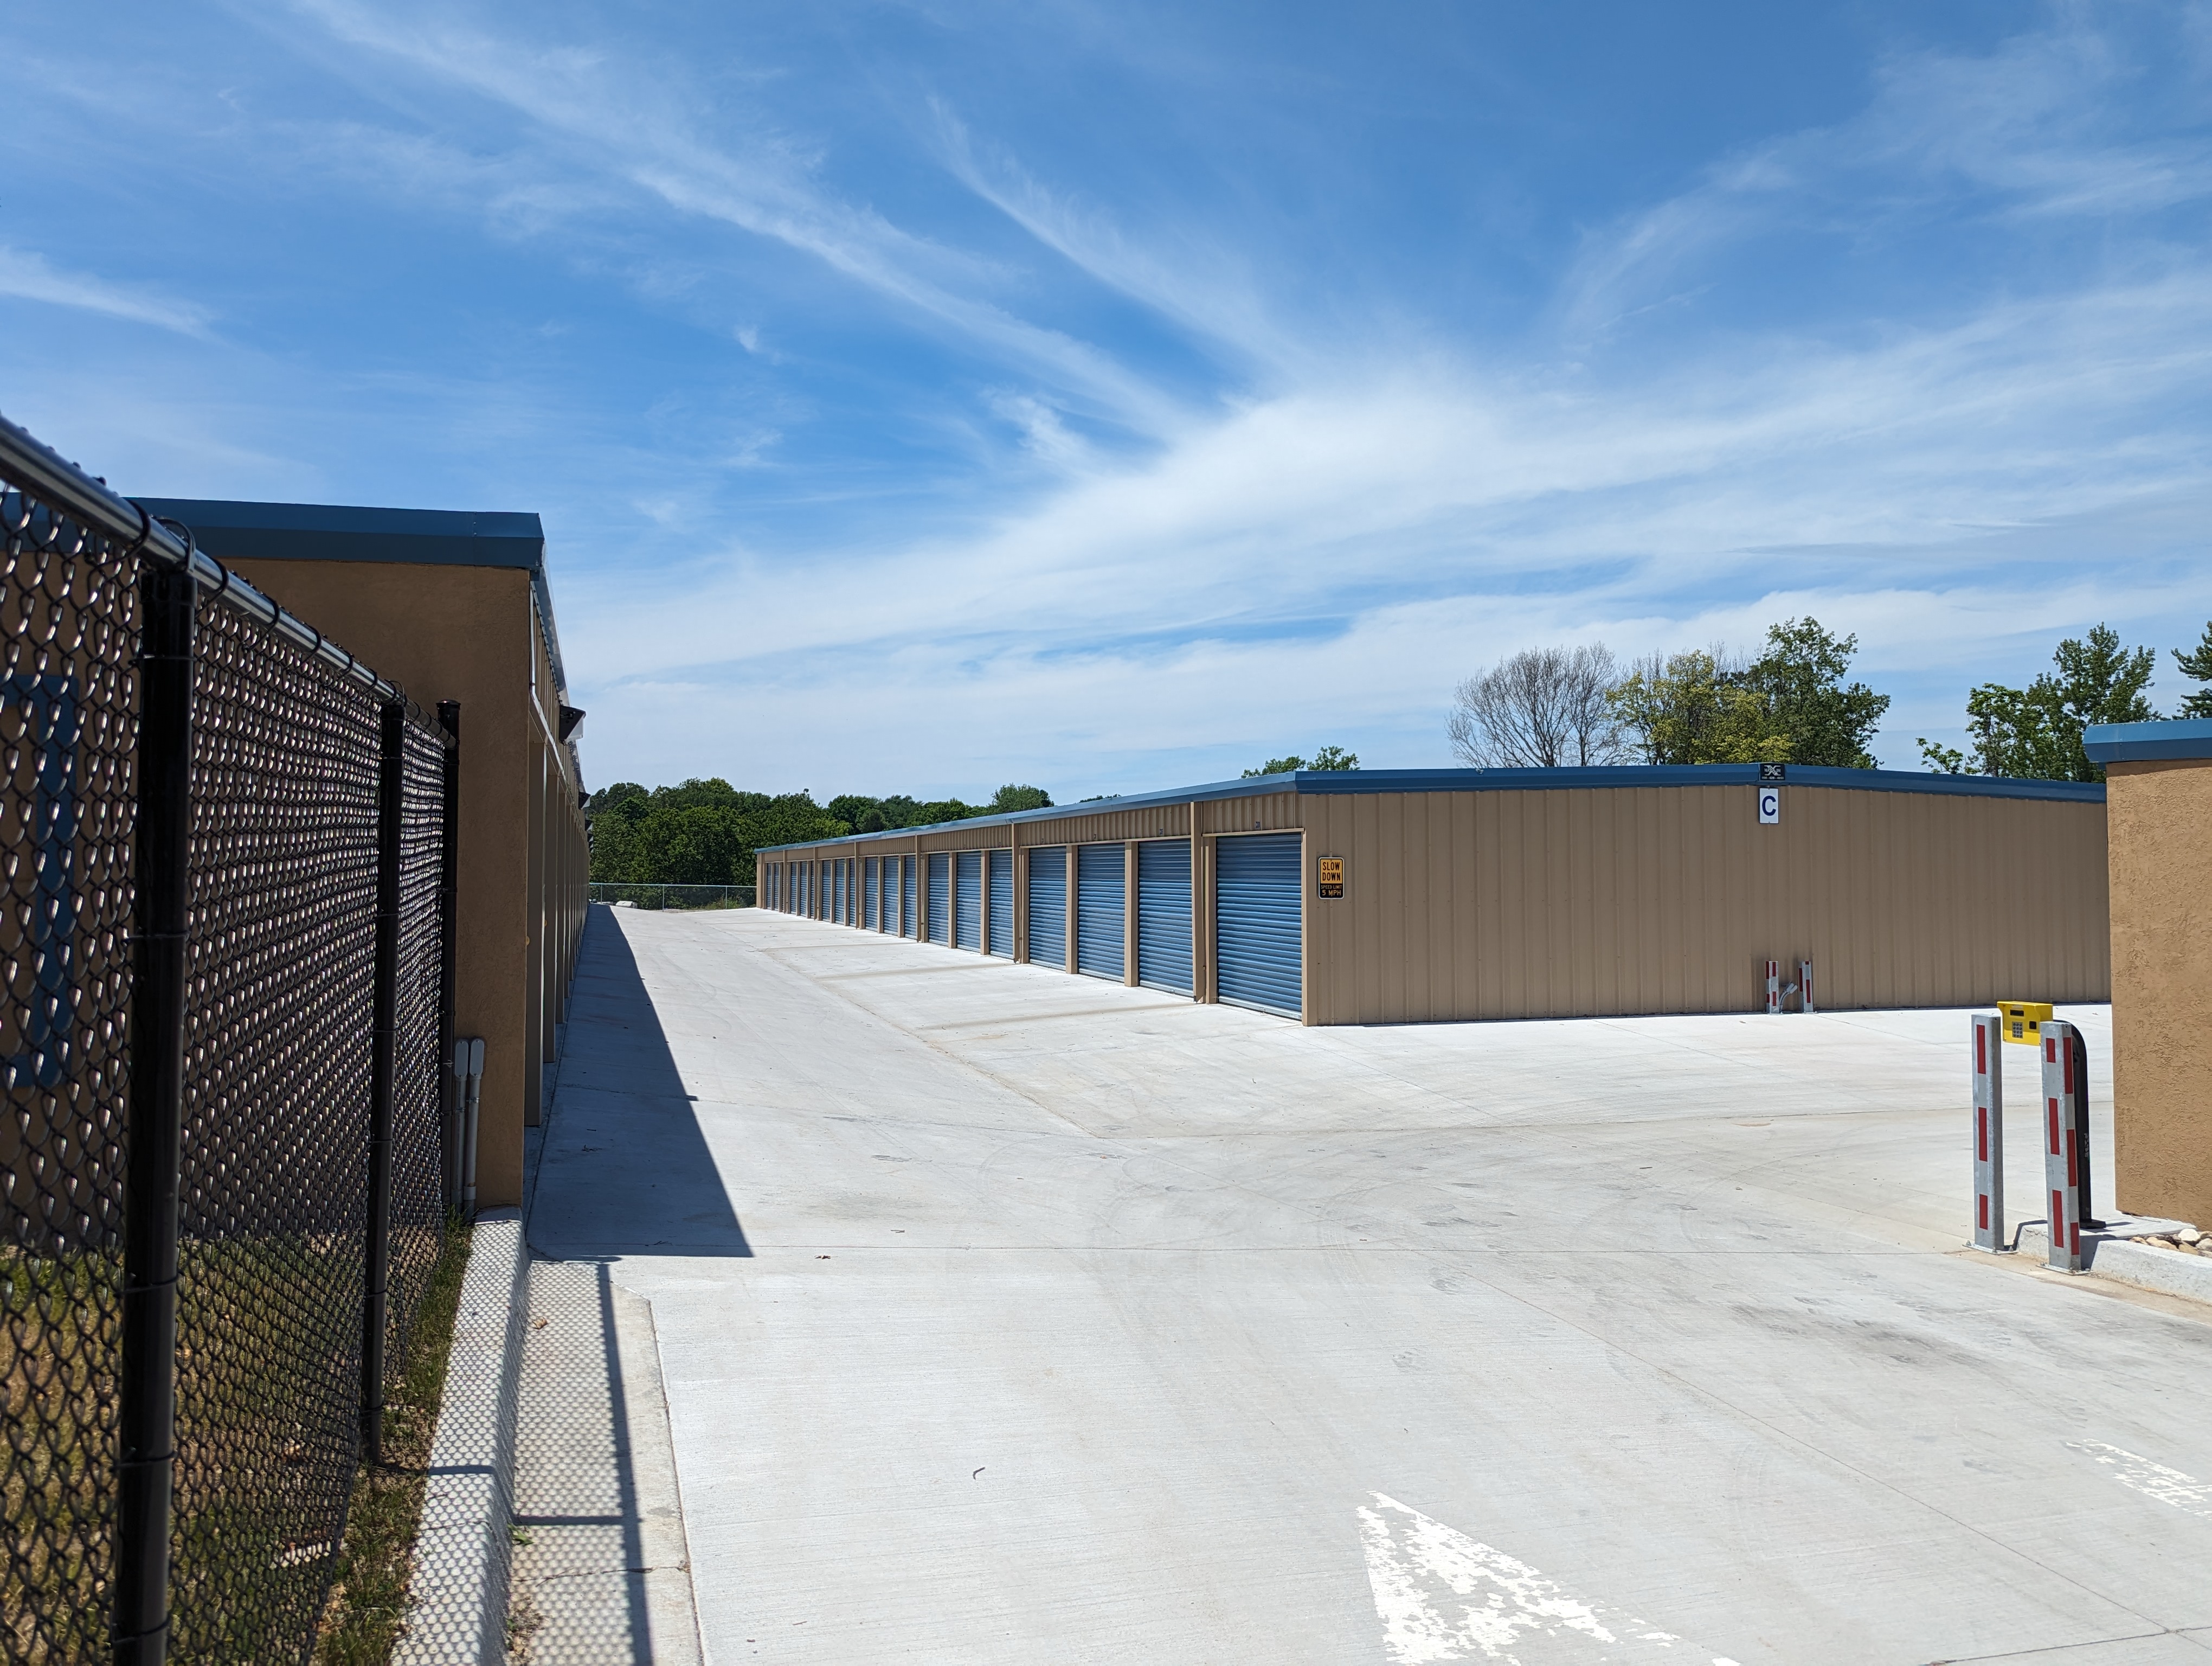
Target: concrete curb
x=465, y=1552
x=2169, y=1272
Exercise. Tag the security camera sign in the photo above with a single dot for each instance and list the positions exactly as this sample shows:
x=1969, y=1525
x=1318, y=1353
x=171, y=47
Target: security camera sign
x=1769, y=806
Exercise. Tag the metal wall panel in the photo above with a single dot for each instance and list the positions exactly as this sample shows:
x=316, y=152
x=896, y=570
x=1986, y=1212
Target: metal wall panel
x=1101, y=911
x=1001, y=903
x=1047, y=909
x=940, y=901
x=1556, y=904
x=968, y=899
x=1164, y=958
x=1258, y=934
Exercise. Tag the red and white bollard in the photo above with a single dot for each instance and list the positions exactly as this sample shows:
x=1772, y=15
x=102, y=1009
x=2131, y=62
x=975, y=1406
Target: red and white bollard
x=1989, y=1131
x=1805, y=987
x=1773, y=986
x=2062, y=1167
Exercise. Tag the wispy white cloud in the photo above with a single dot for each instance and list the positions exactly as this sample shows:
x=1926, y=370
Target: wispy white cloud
x=2036, y=129
x=1197, y=281
x=625, y=119
x=28, y=275
x=1446, y=481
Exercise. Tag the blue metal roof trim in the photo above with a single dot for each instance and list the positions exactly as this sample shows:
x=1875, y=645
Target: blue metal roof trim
x=1494, y=781
x=2143, y=743
x=231, y=531
x=1692, y=774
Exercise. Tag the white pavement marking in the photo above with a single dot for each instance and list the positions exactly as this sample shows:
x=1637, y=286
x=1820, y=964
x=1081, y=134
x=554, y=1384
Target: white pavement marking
x=2152, y=1480
x=1420, y=1570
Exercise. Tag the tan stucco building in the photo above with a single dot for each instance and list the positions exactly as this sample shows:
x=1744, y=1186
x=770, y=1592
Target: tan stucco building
x=2159, y=779
x=455, y=606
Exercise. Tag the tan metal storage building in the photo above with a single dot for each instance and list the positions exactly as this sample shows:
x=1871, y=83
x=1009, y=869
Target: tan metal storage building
x=1380, y=897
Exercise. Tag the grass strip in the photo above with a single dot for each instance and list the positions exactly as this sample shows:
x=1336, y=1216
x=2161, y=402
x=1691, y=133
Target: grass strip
x=366, y=1613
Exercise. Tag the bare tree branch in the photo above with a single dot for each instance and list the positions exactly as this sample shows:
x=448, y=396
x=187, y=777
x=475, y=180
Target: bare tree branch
x=1539, y=709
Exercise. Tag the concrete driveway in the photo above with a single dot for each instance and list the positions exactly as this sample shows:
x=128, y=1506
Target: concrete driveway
x=1008, y=1316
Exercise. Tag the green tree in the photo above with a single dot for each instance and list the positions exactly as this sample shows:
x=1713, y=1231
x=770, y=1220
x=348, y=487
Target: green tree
x=1328, y=757
x=1800, y=679
x=943, y=810
x=702, y=832
x=1696, y=707
x=2035, y=733
x=1010, y=798
x=1790, y=705
x=688, y=845
x=2196, y=666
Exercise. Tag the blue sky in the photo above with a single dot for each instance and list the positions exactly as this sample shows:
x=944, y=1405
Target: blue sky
x=924, y=397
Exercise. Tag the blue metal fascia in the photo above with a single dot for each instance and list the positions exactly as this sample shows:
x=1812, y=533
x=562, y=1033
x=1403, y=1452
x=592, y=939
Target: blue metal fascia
x=1690, y=775
x=1314, y=781
x=230, y=530
x=2145, y=743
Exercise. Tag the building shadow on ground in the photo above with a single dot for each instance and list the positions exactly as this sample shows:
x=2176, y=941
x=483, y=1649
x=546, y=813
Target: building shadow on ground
x=625, y=1169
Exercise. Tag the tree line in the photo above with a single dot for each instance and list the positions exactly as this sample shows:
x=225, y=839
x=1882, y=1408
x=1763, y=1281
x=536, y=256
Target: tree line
x=1792, y=704
x=705, y=832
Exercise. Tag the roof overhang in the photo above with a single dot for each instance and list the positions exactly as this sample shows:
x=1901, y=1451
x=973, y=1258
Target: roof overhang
x=2146, y=742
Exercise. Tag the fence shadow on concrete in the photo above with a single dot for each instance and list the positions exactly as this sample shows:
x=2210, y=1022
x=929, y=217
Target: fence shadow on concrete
x=644, y=1181
x=600, y=1563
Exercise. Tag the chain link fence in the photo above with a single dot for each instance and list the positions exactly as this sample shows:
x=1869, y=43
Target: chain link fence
x=222, y=947
x=671, y=896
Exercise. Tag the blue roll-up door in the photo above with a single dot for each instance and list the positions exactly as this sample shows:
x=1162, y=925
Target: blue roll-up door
x=940, y=900
x=1163, y=915
x=1258, y=885
x=1002, y=903
x=1049, y=906
x=837, y=897
x=909, y=917
x=1101, y=907
x=968, y=900
x=871, y=892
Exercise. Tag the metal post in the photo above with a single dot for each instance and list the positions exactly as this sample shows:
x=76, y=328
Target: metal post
x=2081, y=1116
x=384, y=1039
x=1805, y=987
x=147, y=1395
x=2062, y=1156
x=1773, y=986
x=1989, y=1131
x=449, y=891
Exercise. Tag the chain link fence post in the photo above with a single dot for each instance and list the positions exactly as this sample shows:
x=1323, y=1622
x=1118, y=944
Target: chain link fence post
x=147, y=1391
x=384, y=1036
x=449, y=885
